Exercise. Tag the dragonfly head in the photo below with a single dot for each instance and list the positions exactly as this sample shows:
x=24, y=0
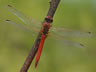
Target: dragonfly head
x=49, y=19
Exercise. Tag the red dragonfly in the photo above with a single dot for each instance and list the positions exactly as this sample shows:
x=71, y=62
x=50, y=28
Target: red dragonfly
x=56, y=33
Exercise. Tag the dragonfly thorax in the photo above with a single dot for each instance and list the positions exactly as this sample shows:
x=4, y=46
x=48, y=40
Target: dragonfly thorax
x=45, y=28
x=46, y=25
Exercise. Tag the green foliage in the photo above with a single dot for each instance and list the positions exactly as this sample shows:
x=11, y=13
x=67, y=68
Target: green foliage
x=16, y=43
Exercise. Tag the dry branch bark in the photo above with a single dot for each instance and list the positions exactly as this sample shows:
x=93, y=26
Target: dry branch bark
x=30, y=57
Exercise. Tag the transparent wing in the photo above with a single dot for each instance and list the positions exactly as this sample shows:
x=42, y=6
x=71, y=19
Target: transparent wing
x=23, y=26
x=58, y=38
x=62, y=32
x=24, y=18
x=57, y=33
x=66, y=42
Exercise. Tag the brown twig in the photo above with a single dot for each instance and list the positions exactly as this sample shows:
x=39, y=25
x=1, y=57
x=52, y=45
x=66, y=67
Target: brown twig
x=29, y=59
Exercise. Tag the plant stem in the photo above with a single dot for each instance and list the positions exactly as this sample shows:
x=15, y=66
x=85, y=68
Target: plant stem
x=30, y=57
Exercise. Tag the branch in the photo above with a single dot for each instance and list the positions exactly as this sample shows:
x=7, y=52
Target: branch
x=53, y=7
x=30, y=57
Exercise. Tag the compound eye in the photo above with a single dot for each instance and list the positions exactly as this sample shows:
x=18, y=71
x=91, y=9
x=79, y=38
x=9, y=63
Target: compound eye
x=49, y=19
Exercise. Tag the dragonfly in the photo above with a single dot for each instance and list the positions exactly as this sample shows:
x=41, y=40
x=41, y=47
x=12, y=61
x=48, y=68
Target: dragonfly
x=43, y=28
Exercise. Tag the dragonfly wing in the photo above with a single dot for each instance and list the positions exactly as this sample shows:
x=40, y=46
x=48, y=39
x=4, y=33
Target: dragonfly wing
x=70, y=33
x=72, y=44
x=66, y=42
x=22, y=26
x=23, y=18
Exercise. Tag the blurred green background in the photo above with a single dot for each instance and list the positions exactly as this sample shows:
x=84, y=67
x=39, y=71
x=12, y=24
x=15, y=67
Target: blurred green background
x=16, y=43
